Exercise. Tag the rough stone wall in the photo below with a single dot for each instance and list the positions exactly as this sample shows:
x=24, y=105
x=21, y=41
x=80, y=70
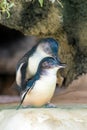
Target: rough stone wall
x=75, y=26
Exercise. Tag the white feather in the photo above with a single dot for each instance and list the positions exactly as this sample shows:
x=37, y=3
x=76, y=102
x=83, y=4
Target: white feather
x=43, y=90
x=18, y=75
x=34, y=61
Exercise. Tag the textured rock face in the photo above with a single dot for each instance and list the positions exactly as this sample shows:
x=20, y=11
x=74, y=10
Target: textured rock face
x=30, y=18
x=44, y=119
x=76, y=24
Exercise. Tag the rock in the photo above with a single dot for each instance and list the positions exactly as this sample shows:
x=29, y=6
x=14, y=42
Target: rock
x=13, y=46
x=44, y=119
x=31, y=19
x=76, y=92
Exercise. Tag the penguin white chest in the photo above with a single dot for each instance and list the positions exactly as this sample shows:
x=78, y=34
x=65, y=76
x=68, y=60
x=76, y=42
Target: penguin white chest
x=34, y=62
x=42, y=92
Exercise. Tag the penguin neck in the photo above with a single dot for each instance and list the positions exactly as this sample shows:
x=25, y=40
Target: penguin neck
x=49, y=72
x=40, y=53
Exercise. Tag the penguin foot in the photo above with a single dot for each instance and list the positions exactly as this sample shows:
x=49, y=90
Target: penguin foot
x=50, y=105
x=25, y=107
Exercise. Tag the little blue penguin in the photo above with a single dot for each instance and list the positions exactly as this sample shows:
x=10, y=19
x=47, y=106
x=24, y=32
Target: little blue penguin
x=40, y=89
x=28, y=64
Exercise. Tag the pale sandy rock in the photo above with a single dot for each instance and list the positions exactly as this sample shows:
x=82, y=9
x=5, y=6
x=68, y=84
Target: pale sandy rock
x=76, y=92
x=44, y=119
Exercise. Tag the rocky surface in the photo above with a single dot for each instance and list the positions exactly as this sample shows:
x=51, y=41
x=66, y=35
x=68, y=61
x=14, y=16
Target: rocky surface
x=44, y=119
x=76, y=92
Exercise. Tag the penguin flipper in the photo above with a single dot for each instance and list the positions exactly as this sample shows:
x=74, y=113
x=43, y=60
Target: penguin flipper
x=24, y=95
x=23, y=76
x=24, y=59
x=29, y=86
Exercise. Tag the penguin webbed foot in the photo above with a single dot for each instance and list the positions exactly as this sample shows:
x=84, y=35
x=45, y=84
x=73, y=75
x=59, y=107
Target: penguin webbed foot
x=50, y=105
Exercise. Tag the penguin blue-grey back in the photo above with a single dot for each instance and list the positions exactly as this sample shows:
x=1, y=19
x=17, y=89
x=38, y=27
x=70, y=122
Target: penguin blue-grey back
x=28, y=64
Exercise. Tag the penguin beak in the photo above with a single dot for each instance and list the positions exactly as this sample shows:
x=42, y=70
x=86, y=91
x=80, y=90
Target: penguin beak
x=62, y=65
x=59, y=64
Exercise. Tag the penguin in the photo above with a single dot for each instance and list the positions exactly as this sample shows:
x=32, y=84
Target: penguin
x=28, y=64
x=40, y=89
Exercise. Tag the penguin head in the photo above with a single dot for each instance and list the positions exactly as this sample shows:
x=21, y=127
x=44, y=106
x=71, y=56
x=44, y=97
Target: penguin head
x=49, y=46
x=50, y=63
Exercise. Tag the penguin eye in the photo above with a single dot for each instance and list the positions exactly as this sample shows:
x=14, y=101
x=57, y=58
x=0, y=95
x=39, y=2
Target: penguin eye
x=45, y=64
x=46, y=48
x=51, y=63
